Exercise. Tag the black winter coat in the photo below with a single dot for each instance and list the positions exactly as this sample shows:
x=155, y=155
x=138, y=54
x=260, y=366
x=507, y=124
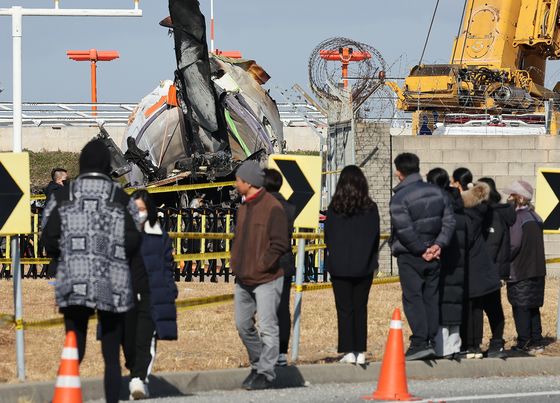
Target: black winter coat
x=352, y=243
x=482, y=274
x=453, y=270
x=528, y=267
x=157, y=255
x=421, y=216
x=287, y=260
x=499, y=218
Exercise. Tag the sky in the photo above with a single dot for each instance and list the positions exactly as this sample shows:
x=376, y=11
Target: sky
x=279, y=35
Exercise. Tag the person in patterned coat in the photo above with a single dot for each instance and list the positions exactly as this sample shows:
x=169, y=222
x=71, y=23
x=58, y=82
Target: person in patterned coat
x=89, y=230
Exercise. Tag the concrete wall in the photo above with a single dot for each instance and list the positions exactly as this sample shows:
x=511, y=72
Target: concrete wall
x=74, y=138
x=504, y=158
x=373, y=154
x=301, y=139
x=70, y=139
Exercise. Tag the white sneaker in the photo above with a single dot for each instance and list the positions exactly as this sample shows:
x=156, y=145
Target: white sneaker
x=137, y=389
x=349, y=358
x=282, y=360
x=361, y=359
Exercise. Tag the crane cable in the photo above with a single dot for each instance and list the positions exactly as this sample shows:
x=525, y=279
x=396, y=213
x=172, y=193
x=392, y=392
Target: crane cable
x=429, y=31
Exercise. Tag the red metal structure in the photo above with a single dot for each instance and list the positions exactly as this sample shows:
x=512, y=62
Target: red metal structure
x=93, y=56
x=345, y=56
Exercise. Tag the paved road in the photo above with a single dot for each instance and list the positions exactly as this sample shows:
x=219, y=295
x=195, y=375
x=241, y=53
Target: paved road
x=495, y=390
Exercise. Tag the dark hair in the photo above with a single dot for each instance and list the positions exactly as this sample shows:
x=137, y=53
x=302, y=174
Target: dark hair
x=495, y=196
x=438, y=177
x=351, y=196
x=55, y=170
x=407, y=163
x=149, y=202
x=463, y=176
x=272, y=180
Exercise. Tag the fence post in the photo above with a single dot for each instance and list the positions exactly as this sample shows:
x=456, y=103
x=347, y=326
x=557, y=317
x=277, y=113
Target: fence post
x=299, y=289
x=18, y=308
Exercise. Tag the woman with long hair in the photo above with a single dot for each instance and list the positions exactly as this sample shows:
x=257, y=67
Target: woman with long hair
x=452, y=274
x=352, y=238
x=154, y=315
x=483, y=279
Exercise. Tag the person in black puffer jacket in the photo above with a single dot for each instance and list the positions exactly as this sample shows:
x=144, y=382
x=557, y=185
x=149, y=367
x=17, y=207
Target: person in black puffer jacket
x=423, y=224
x=352, y=238
x=497, y=222
x=525, y=285
x=272, y=183
x=483, y=279
x=154, y=315
x=453, y=271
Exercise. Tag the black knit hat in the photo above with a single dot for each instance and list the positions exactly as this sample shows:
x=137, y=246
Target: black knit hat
x=95, y=157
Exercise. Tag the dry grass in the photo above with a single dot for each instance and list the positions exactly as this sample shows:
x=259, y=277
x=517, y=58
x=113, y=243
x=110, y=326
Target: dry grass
x=42, y=163
x=208, y=339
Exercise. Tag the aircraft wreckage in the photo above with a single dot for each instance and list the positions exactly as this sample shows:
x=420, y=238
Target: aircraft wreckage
x=201, y=126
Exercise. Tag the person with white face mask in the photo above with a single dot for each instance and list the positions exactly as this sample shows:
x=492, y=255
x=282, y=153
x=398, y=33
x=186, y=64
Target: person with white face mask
x=154, y=315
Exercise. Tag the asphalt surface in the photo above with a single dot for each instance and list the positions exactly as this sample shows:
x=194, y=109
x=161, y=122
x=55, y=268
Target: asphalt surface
x=496, y=390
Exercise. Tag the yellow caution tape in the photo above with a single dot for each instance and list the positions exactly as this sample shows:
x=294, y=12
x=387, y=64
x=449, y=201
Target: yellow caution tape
x=182, y=188
x=201, y=235
x=182, y=305
x=324, y=286
x=38, y=197
x=553, y=260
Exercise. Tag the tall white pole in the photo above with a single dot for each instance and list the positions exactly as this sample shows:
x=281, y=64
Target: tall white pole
x=212, y=26
x=16, y=13
x=16, y=62
x=16, y=146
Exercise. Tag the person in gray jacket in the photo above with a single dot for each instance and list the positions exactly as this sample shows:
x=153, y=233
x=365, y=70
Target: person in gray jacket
x=423, y=223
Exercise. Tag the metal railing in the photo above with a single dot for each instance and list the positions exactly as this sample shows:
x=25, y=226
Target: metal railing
x=57, y=114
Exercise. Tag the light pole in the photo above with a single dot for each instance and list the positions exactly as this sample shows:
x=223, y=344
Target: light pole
x=93, y=56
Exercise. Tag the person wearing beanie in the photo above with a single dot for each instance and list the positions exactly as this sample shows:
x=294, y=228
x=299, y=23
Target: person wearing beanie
x=89, y=230
x=525, y=285
x=261, y=239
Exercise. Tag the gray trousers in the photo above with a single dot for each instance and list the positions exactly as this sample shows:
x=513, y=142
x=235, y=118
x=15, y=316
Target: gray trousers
x=262, y=345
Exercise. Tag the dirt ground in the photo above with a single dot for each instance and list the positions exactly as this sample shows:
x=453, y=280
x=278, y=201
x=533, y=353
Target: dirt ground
x=207, y=335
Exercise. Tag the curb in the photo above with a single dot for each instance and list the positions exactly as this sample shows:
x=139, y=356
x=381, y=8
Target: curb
x=187, y=383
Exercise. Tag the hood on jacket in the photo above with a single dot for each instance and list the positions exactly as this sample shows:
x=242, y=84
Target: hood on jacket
x=476, y=195
x=95, y=157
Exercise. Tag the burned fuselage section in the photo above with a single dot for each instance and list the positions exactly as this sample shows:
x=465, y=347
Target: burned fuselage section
x=214, y=115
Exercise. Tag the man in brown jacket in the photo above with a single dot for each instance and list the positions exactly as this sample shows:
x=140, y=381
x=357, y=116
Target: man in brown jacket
x=261, y=237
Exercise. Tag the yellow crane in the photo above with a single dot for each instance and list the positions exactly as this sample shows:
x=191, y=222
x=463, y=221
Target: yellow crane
x=497, y=65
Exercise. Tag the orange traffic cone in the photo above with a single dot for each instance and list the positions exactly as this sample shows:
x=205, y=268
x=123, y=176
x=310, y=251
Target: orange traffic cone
x=68, y=388
x=392, y=383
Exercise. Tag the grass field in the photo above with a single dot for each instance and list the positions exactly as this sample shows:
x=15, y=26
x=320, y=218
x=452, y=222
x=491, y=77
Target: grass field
x=207, y=335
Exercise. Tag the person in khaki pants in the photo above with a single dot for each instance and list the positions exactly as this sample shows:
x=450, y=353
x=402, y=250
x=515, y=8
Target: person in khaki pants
x=261, y=238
